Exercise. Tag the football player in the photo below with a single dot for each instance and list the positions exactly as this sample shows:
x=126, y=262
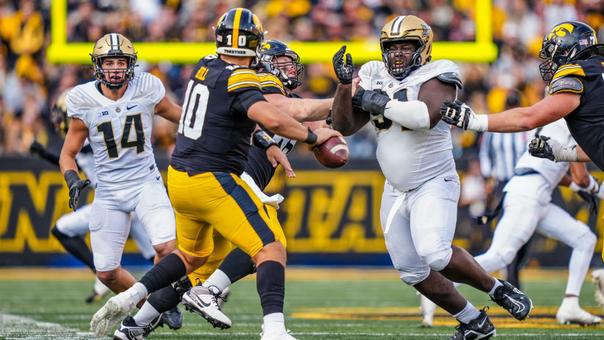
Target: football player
x=218, y=275
x=223, y=104
x=527, y=209
x=115, y=113
x=70, y=229
x=572, y=68
x=401, y=96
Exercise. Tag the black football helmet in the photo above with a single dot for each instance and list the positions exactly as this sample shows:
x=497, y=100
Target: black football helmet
x=563, y=44
x=270, y=50
x=239, y=33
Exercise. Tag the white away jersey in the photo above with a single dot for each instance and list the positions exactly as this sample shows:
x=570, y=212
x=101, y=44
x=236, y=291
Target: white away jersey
x=409, y=158
x=550, y=170
x=119, y=131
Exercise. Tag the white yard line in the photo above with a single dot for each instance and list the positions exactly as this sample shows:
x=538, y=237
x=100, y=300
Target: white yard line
x=20, y=327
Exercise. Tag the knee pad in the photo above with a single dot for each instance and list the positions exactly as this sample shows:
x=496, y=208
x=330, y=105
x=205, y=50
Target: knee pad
x=439, y=259
x=413, y=277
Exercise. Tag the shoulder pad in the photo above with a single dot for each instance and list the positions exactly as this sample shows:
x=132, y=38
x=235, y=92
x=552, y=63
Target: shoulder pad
x=575, y=70
x=243, y=79
x=270, y=83
x=450, y=78
x=565, y=84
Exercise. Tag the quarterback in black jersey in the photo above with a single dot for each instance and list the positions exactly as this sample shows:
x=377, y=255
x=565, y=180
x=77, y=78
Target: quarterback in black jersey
x=573, y=68
x=222, y=105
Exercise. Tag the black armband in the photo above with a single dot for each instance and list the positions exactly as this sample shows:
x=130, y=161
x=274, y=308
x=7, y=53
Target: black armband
x=263, y=140
x=311, y=138
x=329, y=119
x=71, y=177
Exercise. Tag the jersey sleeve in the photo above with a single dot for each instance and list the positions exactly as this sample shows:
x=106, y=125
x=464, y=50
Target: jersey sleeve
x=245, y=84
x=152, y=87
x=366, y=73
x=77, y=106
x=271, y=84
x=568, y=78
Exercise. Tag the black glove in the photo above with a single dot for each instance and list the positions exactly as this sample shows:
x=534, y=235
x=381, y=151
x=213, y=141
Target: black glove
x=592, y=201
x=456, y=113
x=343, y=68
x=539, y=147
x=76, y=185
x=370, y=101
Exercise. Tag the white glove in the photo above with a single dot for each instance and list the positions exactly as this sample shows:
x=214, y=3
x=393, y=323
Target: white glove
x=592, y=188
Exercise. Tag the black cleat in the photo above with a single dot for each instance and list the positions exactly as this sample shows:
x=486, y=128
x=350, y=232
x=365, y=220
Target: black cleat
x=172, y=318
x=479, y=328
x=129, y=330
x=513, y=300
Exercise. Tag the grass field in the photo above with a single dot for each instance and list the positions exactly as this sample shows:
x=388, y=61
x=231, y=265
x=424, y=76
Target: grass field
x=320, y=304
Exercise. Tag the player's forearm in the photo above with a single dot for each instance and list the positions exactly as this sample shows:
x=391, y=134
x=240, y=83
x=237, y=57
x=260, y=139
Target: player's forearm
x=513, y=120
x=342, y=115
x=67, y=161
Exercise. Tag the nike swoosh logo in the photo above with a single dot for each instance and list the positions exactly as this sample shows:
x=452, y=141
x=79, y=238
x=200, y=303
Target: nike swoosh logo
x=481, y=324
x=157, y=178
x=204, y=303
x=131, y=107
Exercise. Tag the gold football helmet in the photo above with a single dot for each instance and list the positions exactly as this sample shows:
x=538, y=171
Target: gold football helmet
x=405, y=28
x=58, y=114
x=109, y=46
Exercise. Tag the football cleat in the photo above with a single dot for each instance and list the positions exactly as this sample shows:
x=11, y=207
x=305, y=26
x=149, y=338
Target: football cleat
x=479, y=328
x=513, y=300
x=129, y=330
x=597, y=276
x=202, y=301
x=427, y=308
x=99, y=291
x=115, y=309
x=172, y=318
x=282, y=334
x=571, y=313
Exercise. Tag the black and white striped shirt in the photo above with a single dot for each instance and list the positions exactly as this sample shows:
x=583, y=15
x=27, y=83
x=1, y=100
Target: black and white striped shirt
x=499, y=153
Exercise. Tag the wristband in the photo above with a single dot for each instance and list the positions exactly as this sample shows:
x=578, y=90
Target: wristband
x=71, y=177
x=311, y=138
x=263, y=140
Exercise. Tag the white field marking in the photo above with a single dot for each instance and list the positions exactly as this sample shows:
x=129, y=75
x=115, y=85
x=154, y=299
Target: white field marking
x=20, y=327
x=379, y=335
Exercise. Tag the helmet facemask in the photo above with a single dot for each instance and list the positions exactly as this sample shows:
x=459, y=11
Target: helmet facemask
x=289, y=66
x=401, y=60
x=114, y=78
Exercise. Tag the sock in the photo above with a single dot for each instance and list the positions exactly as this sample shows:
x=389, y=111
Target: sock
x=75, y=246
x=237, y=265
x=492, y=291
x=270, y=283
x=274, y=322
x=146, y=314
x=169, y=269
x=99, y=287
x=467, y=314
x=164, y=299
x=218, y=279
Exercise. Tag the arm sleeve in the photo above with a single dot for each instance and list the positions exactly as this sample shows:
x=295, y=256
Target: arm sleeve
x=153, y=87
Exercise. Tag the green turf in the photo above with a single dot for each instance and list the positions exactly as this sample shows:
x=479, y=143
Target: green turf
x=61, y=302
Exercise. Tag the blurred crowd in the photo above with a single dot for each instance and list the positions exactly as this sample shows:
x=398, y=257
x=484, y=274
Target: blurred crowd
x=29, y=84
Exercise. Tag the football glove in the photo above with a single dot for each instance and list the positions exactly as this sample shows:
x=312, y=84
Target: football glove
x=370, y=101
x=461, y=115
x=545, y=147
x=74, y=192
x=591, y=199
x=343, y=67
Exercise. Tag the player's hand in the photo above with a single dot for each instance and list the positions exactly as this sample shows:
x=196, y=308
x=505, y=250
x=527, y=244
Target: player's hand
x=75, y=190
x=343, y=67
x=459, y=114
x=276, y=156
x=370, y=101
x=323, y=134
x=541, y=147
x=36, y=148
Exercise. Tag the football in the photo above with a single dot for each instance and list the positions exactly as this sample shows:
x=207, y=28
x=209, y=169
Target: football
x=333, y=153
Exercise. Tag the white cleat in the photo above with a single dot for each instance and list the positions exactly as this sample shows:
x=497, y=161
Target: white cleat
x=276, y=335
x=114, y=310
x=202, y=301
x=427, y=308
x=571, y=313
x=223, y=297
x=597, y=276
